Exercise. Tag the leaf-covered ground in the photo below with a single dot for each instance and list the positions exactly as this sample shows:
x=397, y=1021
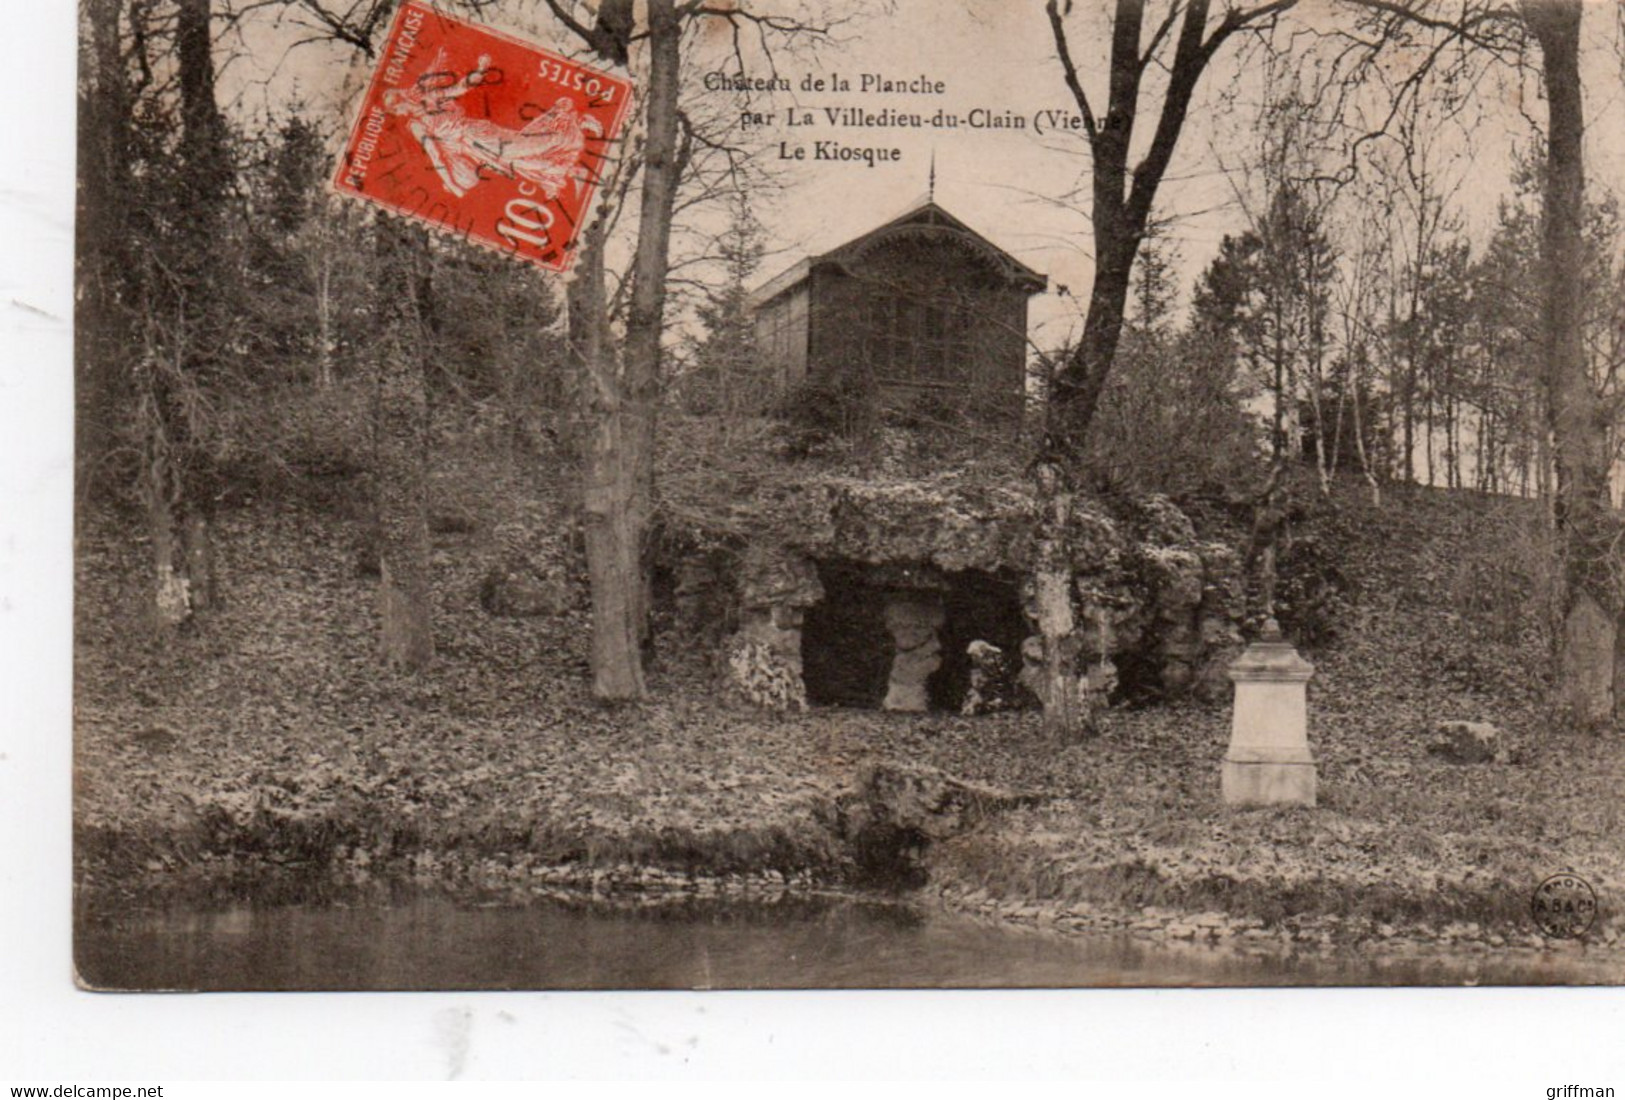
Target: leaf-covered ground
x=268, y=736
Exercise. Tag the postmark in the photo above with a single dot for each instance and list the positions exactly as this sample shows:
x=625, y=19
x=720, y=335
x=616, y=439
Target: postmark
x=1564, y=906
x=483, y=135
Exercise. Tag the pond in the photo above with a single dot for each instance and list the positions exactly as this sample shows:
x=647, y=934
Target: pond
x=434, y=942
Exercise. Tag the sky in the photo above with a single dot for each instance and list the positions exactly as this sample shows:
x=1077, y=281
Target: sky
x=1025, y=190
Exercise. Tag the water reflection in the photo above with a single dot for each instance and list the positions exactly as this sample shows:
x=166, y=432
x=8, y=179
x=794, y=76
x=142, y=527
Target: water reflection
x=431, y=942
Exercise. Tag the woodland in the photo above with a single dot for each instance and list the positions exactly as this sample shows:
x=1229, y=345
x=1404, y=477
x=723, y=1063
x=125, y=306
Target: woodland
x=381, y=540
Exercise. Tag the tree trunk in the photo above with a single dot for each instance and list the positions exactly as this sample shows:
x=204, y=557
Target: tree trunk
x=102, y=331
x=324, y=316
x=203, y=130
x=1359, y=447
x=1122, y=199
x=616, y=510
x=208, y=173
x=1451, y=463
x=615, y=498
x=172, y=588
x=1316, y=278
x=1323, y=469
x=1408, y=442
x=1427, y=433
x=618, y=450
x=612, y=529
x=1337, y=419
x=1073, y=396
x=1586, y=657
x=1068, y=714
x=1456, y=413
x=400, y=452
x=1278, y=416
x=1076, y=390
x=1407, y=392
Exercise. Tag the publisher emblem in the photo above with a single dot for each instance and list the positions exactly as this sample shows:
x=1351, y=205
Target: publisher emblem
x=1564, y=906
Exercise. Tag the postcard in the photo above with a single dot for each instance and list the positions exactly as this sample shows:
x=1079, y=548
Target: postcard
x=748, y=496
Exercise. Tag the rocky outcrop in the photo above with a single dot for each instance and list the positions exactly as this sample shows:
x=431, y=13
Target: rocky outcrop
x=764, y=657
x=703, y=596
x=1144, y=584
x=895, y=810
x=1195, y=608
x=1470, y=743
x=763, y=676
x=994, y=680
x=944, y=524
x=913, y=619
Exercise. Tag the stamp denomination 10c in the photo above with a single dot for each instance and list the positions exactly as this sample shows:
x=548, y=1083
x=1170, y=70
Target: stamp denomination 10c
x=482, y=135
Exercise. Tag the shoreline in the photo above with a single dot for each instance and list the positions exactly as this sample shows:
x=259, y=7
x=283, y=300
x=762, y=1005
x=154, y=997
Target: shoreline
x=522, y=879
x=1153, y=949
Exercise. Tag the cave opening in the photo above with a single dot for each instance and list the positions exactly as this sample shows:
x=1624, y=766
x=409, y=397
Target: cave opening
x=846, y=649
x=873, y=644
x=979, y=606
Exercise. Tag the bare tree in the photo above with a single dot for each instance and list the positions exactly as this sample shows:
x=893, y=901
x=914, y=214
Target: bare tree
x=154, y=265
x=1356, y=306
x=103, y=241
x=1181, y=43
x=621, y=390
x=400, y=474
x=403, y=304
x=1590, y=659
x=1590, y=664
x=1417, y=196
x=621, y=384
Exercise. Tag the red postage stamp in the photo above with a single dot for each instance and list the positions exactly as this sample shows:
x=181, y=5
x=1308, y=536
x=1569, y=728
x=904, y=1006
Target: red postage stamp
x=481, y=134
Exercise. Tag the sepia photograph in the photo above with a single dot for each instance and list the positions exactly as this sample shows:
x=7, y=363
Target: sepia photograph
x=801, y=494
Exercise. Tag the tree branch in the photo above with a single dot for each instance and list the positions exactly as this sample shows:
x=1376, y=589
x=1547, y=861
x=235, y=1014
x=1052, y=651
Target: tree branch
x=1064, y=52
x=1161, y=32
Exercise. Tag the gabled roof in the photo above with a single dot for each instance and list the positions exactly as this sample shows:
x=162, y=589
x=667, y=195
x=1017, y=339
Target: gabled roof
x=924, y=215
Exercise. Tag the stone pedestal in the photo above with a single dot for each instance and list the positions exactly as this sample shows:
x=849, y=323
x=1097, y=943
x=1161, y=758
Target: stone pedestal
x=1268, y=762
x=913, y=619
x=764, y=660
